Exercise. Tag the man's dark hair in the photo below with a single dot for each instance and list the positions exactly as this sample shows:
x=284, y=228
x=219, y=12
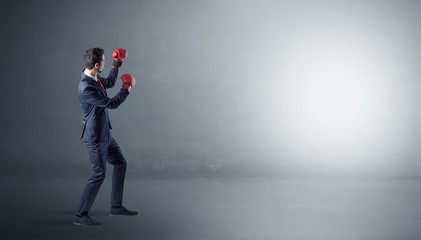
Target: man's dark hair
x=92, y=56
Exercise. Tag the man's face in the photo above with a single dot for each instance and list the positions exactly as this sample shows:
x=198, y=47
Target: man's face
x=102, y=64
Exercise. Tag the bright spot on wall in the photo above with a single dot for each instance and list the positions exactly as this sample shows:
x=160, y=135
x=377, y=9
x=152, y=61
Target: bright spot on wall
x=327, y=106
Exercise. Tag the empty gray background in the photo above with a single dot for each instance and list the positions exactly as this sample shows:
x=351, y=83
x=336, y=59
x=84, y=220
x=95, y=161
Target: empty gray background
x=283, y=89
x=223, y=87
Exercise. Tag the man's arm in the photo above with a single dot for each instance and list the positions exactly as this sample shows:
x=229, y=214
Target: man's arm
x=119, y=55
x=94, y=97
x=110, y=80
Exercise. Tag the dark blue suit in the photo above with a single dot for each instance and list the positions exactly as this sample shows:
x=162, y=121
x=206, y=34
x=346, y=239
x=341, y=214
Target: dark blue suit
x=101, y=146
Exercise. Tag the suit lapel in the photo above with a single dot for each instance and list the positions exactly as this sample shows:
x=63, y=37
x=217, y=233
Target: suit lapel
x=96, y=83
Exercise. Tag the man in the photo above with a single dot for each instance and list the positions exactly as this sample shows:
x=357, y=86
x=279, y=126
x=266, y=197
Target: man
x=96, y=134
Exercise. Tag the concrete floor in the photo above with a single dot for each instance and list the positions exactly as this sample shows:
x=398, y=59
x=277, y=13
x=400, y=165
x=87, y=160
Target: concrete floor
x=218, y=209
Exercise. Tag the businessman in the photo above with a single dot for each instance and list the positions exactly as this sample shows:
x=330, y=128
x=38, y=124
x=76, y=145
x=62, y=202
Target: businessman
x=101, y=145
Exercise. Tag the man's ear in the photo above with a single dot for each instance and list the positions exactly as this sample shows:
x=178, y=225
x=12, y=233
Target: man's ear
x=96, y=66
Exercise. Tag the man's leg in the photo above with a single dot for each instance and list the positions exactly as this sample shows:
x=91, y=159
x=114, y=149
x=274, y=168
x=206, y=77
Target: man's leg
x=97, y=154
x=116, y=158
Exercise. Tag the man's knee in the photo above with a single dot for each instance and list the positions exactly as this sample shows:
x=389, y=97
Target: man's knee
x=119, y=162
x=98, y=176
x=123, y=164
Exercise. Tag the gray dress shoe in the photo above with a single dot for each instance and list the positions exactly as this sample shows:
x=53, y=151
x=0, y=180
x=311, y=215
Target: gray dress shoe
x=86, y=221
x=122, y=211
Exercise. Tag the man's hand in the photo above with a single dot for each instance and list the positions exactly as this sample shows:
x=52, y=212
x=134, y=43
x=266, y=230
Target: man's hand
x=119, y=54
x=128, y=81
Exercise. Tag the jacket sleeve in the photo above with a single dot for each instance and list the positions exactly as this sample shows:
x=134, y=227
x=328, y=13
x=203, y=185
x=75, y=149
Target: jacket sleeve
x=111, y=79
x=94, y=97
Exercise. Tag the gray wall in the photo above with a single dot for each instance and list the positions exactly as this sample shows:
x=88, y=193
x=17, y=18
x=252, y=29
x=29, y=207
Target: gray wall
x=227, y=88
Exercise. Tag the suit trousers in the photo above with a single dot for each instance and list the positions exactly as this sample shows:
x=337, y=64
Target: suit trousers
x=100, y=153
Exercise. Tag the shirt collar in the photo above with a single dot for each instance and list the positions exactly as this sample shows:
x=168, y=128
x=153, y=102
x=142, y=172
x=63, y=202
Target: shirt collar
x=93, y=77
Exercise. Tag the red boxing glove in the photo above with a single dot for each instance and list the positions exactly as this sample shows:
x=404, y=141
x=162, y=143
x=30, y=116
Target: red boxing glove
x=119, y=54
x=128, y=81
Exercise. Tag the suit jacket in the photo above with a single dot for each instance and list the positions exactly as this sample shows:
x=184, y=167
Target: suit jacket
x=95, y=104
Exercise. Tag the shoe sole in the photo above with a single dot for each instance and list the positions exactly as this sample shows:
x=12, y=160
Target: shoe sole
x=121, y=215
x=81, y=224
